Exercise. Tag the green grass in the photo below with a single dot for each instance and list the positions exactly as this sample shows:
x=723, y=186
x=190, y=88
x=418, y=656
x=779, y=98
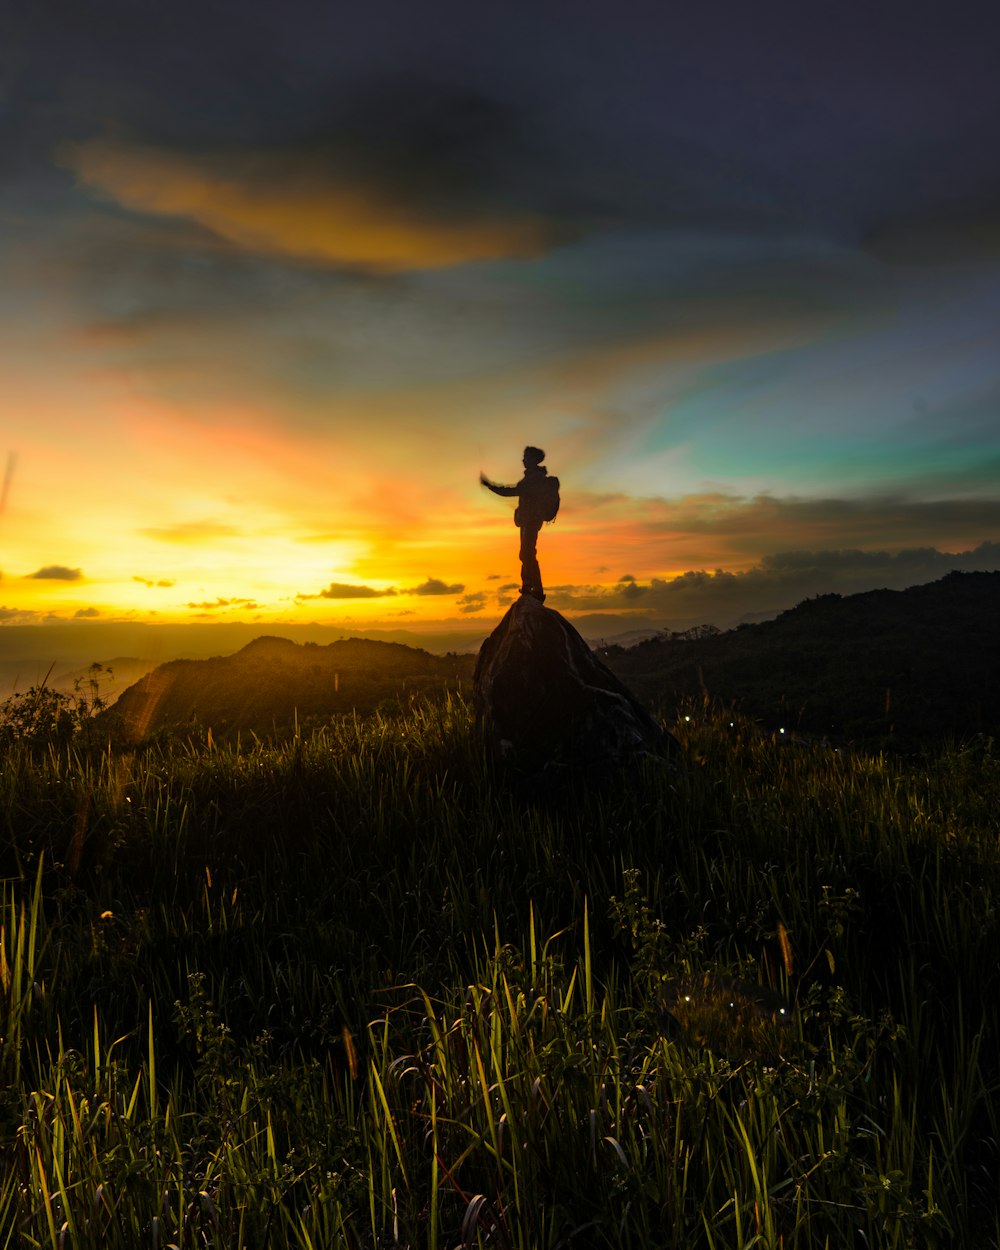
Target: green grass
x=358, y=990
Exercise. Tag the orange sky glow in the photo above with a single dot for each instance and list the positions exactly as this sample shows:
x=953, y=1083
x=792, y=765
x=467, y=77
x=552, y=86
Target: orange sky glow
x=179, y=518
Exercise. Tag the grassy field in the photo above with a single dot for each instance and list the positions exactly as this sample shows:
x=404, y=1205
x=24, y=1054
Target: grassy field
x=356, y=989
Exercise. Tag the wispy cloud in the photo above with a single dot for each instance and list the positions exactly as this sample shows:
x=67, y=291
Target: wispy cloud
x=298, y=204
x=190, y=532
x=434, y=586
x=85, y=614
x=58, y=573
x=474, y=602
x=716, y=528
x=345, y=590
x=961, y=233
x=148, y=581
x=8, y=478
x=218, y=604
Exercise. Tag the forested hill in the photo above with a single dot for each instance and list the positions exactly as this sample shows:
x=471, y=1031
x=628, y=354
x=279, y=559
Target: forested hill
x=270, y=682
x=904, y=667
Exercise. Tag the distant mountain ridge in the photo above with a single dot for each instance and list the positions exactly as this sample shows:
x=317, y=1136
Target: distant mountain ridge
x=898, y=666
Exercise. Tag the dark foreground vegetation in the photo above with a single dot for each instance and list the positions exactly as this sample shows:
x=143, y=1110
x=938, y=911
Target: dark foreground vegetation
x=355, y=989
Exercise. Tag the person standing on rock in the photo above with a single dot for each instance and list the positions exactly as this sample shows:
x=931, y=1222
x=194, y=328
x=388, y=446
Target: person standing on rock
x=537, y=496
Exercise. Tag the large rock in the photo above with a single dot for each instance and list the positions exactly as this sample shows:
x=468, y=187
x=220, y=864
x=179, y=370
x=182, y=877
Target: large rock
x=543, y=698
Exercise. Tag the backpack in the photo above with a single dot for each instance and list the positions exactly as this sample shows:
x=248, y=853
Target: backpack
x=548, y=498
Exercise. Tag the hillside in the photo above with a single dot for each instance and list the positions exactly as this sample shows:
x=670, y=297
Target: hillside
x=896, y=667
x=902, y=667
x=271, y=681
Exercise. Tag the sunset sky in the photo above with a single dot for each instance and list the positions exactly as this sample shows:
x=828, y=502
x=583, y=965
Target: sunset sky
x=278, y=280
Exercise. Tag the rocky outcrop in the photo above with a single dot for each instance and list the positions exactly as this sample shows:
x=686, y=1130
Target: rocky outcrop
x=544, y=699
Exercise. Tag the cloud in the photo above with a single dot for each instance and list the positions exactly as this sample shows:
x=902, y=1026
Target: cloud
x=775, y=582
x=17, y=616
x=8, y=478
x=720, y=529
x=434, y=586
x=83, y=614
x=631, y=589
x=344, y=590
x=964, y=233
x=310, y=205
x=224, y=603
x=190, y=532
x=505, y=594
x=472, y=603
x=148, y=581
x=57, y=573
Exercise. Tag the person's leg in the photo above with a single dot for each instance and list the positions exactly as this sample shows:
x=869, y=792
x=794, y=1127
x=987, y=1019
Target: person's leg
x=531, y=574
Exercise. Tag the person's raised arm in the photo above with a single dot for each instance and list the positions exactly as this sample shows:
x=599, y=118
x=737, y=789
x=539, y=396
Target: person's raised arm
x=507, y=491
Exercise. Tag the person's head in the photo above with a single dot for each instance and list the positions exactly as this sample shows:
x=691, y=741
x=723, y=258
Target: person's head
x=533, y=456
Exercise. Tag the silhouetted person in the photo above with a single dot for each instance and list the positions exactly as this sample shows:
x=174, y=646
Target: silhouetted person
x=537, y=502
